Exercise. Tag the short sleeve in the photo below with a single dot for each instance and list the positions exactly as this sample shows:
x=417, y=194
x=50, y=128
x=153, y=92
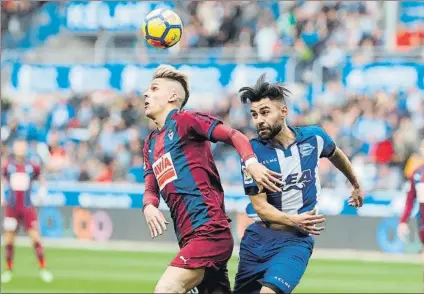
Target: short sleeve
x=199, y=125
x=328, y=145
x=249, y=184
x=412, y=187
x=147, y=166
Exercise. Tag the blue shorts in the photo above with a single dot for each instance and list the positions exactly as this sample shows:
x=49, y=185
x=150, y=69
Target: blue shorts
x=275, y=259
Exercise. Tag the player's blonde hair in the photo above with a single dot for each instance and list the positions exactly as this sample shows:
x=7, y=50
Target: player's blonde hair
x=169, y=72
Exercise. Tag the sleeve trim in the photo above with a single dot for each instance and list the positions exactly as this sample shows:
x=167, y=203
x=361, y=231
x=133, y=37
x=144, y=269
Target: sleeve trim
x=331, y=153
x=211, y=128
x=252, y=190
x=148, y=172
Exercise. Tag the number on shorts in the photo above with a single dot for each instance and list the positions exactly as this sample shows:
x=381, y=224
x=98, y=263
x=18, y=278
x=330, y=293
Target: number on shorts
x=194, y=291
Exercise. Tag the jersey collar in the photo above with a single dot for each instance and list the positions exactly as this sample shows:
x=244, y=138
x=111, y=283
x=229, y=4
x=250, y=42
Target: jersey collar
x=168, y=118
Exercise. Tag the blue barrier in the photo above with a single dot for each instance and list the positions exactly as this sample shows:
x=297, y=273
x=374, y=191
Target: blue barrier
x=205, y=78
x=411, y=12
x=130, y=196
x=383, y=76
x=94, y=16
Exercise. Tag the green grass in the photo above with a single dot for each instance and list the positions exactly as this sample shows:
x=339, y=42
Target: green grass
x=116, y=271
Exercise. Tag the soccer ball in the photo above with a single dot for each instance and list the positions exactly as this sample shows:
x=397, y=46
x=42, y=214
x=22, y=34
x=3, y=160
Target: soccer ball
x=162, y=28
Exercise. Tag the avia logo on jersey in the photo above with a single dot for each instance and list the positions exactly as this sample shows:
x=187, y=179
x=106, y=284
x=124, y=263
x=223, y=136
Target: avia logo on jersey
x=297, y=181
x=164, y=170
x=306, y=149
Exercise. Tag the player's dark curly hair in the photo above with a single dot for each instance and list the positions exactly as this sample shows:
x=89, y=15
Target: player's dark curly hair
x=263, y=89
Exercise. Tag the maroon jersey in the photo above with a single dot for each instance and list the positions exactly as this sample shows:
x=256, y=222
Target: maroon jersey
x=180, y=157
x=19, y=177
x=416, y=191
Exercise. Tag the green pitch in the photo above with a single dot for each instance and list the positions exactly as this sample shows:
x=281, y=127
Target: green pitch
x=116, y=271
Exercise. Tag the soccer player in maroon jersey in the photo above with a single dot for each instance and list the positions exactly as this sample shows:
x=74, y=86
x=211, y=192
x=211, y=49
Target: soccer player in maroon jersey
x=19, y=174
x=179, y=166
x=416, y=192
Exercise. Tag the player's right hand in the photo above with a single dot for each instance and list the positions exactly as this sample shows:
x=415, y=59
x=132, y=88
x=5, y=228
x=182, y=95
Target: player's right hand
x=264, y=177
x=307, y=222
x=403, y=231
x=155, y=220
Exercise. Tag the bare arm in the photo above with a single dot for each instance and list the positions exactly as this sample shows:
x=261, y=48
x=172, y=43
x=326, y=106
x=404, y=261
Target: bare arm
x=409, y=203
x=305, y=222
x=269, y=213
x=154, y=217
x=343, y=164
x=42, y=189
x=2, y=192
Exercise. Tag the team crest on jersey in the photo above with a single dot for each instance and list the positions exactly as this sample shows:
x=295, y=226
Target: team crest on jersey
x=306, y=149
x=246, y=176
x=170, y=134
x=164, y=170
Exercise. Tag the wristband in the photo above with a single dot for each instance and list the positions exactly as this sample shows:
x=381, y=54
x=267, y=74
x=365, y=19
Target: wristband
x=251, y=161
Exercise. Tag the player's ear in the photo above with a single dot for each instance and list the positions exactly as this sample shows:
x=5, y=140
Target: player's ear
x=283, y=110
x=173, y=98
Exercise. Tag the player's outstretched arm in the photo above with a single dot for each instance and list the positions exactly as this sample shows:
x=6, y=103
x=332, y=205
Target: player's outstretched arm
x=154, y=217
x=205, y=127
x=3, y=181
x=343, y=164
x=306, y=222
x=2, y=193
x=403, y=229
x=42, y=189
x=264, y=177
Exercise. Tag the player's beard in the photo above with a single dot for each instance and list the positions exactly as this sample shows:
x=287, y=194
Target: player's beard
x=269, y=132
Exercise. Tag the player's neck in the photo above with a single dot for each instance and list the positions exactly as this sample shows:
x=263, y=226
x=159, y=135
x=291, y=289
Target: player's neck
x=285, y=137
x=160, y=120
x=19, y=158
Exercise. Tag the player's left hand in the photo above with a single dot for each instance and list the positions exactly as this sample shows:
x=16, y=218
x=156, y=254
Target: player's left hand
x=42, y=194
x=155, y=220
x=264, y=177
x=356, y=198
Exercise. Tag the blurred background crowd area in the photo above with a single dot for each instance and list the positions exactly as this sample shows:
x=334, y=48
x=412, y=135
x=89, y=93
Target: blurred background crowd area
x=271, y=28
x=98, y=135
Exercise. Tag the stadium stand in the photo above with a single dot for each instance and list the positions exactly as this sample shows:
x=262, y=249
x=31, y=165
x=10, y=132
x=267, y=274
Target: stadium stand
x=74, y=126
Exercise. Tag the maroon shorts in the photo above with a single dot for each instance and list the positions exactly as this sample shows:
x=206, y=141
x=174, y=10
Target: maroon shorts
x=210, y=251
x=15, y=216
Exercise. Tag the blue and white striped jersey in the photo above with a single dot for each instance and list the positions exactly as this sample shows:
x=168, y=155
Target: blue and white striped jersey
x=299, y=166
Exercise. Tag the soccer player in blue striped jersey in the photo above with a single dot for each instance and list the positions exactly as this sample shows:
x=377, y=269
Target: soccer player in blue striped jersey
x=276, y=248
